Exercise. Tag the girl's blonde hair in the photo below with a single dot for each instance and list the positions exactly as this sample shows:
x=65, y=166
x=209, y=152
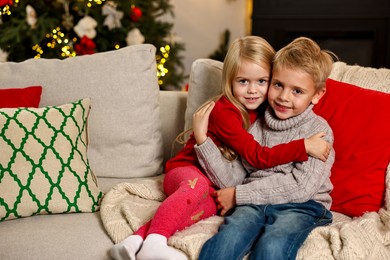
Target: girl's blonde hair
x=306, y=55
x=248, y=48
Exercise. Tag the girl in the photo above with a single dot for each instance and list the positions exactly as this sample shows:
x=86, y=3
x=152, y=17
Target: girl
x=246, y=75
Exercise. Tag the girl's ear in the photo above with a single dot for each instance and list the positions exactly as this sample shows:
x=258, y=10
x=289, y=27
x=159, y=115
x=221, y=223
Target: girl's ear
x=318, y=95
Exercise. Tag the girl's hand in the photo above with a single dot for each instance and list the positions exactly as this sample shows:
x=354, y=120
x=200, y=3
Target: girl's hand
x=200, y=121
x=317, y=147
x=225, y=199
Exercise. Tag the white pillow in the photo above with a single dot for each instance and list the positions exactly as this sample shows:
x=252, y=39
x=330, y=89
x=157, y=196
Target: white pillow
x=43, y=161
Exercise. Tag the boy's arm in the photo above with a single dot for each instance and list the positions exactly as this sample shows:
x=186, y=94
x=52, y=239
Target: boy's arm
x=221, y=172
x=298, y=184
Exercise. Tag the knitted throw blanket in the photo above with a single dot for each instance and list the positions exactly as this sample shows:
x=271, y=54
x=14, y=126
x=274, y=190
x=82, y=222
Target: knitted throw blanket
x=128, y=206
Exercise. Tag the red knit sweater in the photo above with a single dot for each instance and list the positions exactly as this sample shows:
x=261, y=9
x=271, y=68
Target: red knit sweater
x=226, y=127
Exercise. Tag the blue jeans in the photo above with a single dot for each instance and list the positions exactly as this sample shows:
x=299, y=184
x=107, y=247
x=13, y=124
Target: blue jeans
x=265, y=231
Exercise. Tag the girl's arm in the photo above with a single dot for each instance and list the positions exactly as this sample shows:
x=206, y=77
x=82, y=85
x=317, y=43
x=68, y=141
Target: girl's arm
x=227, y=125
x=221, y=172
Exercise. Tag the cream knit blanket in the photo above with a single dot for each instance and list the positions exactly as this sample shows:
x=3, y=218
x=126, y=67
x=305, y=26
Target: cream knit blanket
x=128, y=206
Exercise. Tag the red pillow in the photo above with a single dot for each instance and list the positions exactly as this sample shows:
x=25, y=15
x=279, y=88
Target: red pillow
x=361, y=125
x=20, y=97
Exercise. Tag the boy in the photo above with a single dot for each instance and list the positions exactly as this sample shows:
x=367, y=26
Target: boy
x=275, y=208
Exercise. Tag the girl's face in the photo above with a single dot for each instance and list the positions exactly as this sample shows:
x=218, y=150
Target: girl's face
x=291, y=92
x=250, y=85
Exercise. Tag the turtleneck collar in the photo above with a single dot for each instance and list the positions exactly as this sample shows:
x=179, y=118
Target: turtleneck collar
x=273, y=122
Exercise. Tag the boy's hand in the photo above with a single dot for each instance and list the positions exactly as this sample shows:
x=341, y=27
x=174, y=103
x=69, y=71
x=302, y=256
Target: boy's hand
x=317, y=147
x=200, y=121
x=225, y=199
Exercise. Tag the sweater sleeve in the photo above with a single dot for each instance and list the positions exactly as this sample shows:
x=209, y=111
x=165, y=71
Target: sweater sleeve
x=221, y=172
x=227, y=123
x=290, y=183
x=299, y=186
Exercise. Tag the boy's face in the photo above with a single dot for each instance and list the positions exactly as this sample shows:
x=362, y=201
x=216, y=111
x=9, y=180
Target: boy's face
x=291, y=92
x=250, y=86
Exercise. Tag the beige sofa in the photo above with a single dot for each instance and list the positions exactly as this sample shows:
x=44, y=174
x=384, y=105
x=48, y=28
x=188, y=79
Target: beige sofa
x=131, y=131
x=123, y=89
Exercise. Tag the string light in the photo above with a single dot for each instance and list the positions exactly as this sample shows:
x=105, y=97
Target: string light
x=91, y=2
x=56, y=37
x=67, y=51
x=161, y=60
x=39, y=51
x=6, y=10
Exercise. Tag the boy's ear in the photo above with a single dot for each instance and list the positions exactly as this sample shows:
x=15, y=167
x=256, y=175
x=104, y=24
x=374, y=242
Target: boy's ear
x=318, y=95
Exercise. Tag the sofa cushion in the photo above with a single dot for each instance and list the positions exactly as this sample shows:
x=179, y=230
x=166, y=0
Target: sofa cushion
x=43, y=161
x=78, y=236
x=205, y=83
x=358, y=118
x=20, y=97
x=124, y=125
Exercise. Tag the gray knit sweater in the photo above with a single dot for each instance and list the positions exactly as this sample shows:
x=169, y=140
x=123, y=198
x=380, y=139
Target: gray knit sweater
x=294, y=182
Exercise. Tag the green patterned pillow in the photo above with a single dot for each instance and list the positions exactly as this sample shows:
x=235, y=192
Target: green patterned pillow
x=44, y=167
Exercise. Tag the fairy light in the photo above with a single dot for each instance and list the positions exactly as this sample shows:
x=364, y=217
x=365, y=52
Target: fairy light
x=67, y=51
x=6, y=10
x=161, y=60
x=38, y=50
x=56, y=37
x=91, y=2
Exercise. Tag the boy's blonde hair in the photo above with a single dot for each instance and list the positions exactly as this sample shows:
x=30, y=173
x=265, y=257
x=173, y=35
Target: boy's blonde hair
x=306, y=55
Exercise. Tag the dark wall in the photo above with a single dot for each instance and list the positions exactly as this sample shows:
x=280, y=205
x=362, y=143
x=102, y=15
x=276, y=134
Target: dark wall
x=357, y=31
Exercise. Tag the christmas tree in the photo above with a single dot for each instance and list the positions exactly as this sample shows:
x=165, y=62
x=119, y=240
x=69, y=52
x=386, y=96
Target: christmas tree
x=66, y=28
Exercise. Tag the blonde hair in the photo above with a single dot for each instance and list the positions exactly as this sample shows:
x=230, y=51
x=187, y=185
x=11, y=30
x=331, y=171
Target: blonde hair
x=248, y=48
x=306, y=55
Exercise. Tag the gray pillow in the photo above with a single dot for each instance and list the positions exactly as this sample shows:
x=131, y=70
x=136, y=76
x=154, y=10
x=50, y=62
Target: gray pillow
x=205, y=83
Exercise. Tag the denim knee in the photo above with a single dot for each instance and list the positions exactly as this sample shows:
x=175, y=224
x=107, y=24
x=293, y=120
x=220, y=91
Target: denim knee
x=236, y=235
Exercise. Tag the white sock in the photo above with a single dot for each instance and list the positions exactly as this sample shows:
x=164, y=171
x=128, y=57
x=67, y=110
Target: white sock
x=155, y=247
x=127, y=249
